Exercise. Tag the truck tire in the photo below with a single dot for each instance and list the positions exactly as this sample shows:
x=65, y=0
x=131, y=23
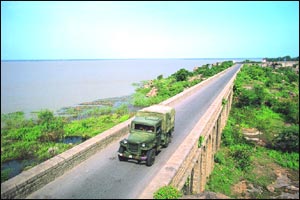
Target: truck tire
x=168, y=141
x=121, y=158
x=121, y=150
x=150, y=157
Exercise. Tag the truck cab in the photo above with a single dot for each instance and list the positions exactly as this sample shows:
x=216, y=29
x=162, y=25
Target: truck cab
x=148, y=134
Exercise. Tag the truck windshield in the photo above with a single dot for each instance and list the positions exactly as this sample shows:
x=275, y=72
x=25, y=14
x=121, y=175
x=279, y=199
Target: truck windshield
x=142, y=127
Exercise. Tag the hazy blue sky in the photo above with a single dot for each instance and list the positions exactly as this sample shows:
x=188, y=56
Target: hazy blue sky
x=90, y=30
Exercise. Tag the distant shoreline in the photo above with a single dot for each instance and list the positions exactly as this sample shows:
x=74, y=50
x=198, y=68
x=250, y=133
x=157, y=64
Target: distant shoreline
x=95, y=59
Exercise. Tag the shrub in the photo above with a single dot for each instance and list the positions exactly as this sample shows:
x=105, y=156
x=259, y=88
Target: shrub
x=160, y=77
x=288, y=139
x=241, y=154
x=181, y=75
x=167, y=192
x=220, y=157
x=45, y=116
x=231, y=134
x=200, y=141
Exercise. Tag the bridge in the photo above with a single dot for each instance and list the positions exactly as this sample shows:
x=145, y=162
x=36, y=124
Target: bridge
x=92, y=170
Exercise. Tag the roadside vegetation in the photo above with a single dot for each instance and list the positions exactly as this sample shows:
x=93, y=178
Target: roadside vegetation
x=174, y=84
x=267, y=100
x=167, y=192
x=285, y=58
x=32, y=141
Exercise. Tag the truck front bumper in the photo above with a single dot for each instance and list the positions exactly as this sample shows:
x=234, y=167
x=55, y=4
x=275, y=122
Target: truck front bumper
x=135, y=157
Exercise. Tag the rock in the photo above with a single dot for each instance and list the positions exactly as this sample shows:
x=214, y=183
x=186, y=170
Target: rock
x=253, y=139
x=197, y=77
x=261, y=143
x=282, y=181
x=270, y=188
x=152, y=93
x=288, y=196
x=52, y=150
x=251, y=131
x=240, y=187
x=253, y=189
x=149, y=84
x=291, y=187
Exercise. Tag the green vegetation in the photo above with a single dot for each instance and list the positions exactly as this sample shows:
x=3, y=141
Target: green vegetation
x=200, y=141
x=41, y=139
x=224, y=102
x=267, y=100
x=167, y=192
x=285, y=58
x=174, y=84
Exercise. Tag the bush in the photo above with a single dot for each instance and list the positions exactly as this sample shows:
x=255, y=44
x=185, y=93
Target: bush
x=290, y=110
x=160, y=77
x=241, y=154
x=231, y=134
x=45, y=116
x=288, y=139
x=181, y=75
x=167, y=192
x=220, y=157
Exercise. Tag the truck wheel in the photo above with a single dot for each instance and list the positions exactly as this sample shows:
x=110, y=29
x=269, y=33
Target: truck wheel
x=168, y=141
x=150, y=157
x=121, y=158
x=121, y=150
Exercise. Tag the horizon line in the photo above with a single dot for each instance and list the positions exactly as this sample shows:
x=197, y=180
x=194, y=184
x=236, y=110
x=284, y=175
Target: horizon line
x=77, y=59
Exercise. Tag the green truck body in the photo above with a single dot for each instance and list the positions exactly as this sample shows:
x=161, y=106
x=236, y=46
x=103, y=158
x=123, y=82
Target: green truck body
x=150, y=130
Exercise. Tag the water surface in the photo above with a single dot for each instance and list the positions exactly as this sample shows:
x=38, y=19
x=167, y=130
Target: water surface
x=34, y=85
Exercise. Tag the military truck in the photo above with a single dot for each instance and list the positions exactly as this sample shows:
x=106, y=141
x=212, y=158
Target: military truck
x=150, y=130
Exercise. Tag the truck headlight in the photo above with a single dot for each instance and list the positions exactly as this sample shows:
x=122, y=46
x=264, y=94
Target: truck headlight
x=125, y=141
x=143, y=145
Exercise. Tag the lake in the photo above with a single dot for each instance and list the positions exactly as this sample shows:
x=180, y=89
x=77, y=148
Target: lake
x=34, y=85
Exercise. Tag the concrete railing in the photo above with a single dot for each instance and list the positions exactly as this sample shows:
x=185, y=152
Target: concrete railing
x=33, y=179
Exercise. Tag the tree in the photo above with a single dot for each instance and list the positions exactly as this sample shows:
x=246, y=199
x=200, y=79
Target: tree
x=160, y=77
x=181, y=75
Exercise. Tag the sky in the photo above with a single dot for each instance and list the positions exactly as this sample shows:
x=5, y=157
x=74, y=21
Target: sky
x=149, y=29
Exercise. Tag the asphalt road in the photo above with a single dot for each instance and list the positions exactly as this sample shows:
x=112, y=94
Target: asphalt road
x=103, y=176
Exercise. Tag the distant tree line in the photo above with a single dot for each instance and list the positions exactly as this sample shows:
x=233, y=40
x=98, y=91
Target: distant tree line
x=285, y=58
x=251, y=61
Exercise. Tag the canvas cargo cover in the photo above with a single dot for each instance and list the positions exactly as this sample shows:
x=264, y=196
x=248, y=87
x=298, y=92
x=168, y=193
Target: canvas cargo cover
x=166, y=113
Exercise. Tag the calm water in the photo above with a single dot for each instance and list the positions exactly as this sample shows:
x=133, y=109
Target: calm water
x=34, y=85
